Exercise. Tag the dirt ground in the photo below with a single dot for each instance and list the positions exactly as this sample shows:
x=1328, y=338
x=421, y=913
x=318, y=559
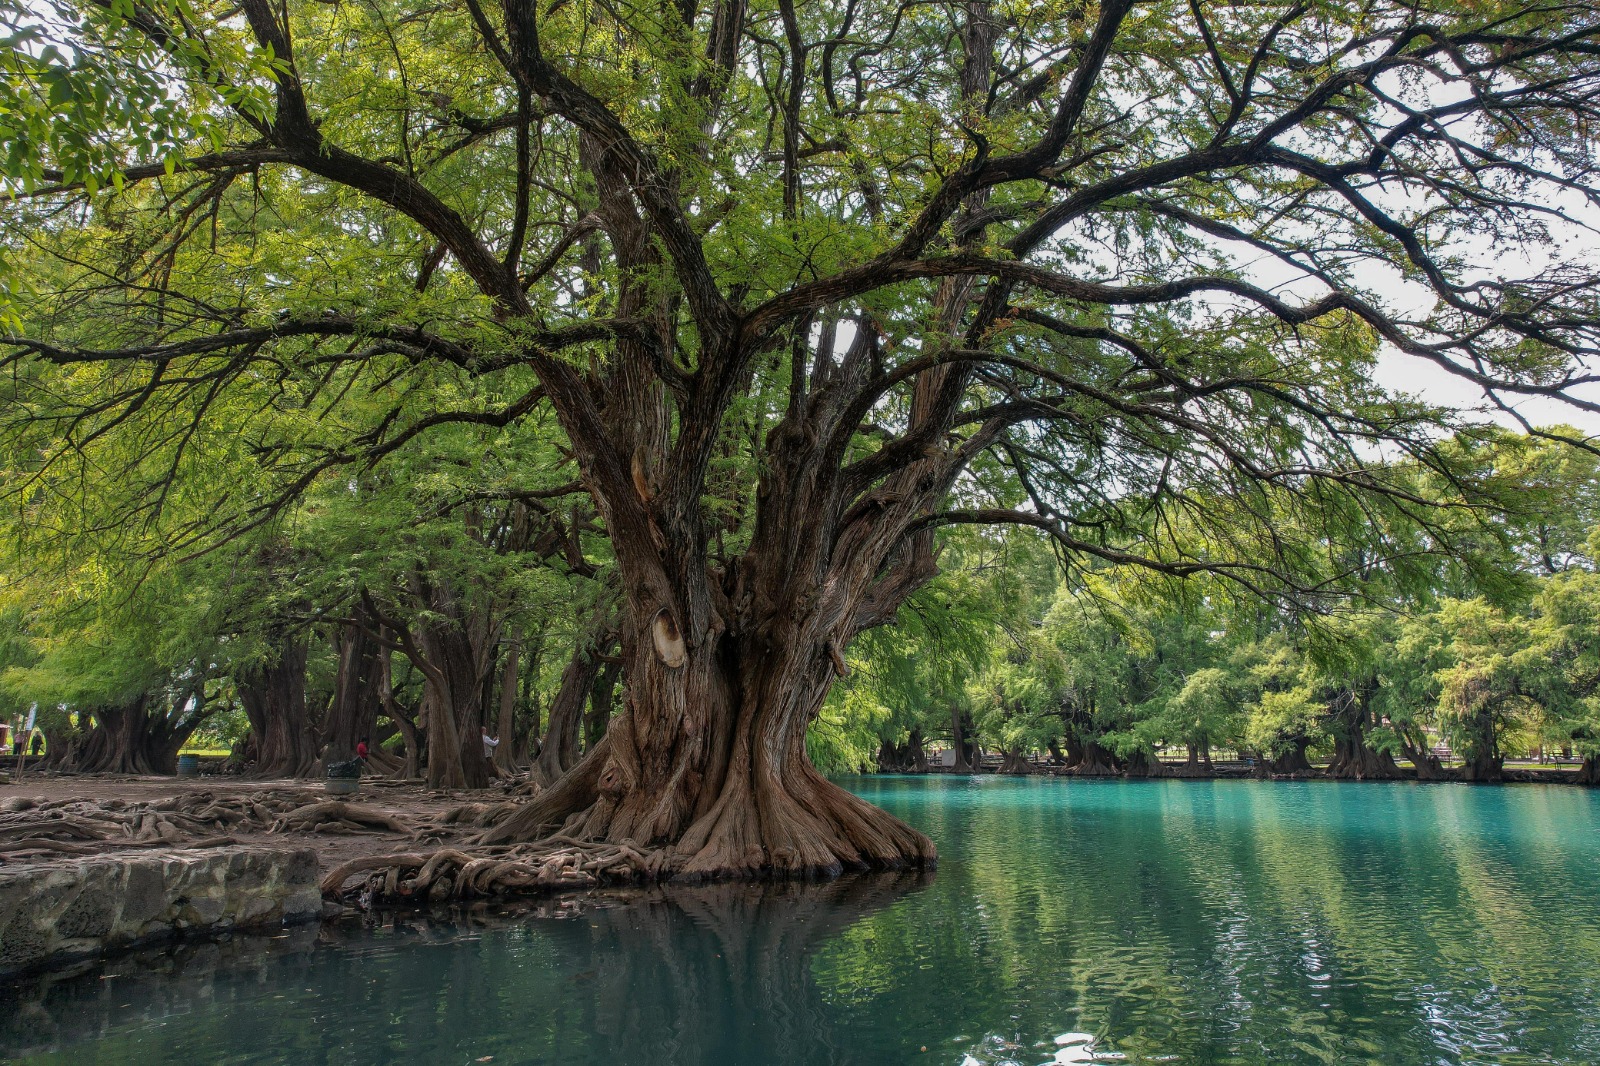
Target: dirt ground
x=37, y=794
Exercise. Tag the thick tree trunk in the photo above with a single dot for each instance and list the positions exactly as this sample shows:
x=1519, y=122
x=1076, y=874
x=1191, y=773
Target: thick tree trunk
x=460, y=660
x=914, y=751
x=1093, y=760
x=1589, y=772
x=960, y=742
x=1293, y=761
x=93, y=748
x=137, y=738
x=906, y=758
x=1485, y=762
x=1353, y=758
x=1354, y=761
x=1144, y=764
x=274, y=699
x=1427, y=764
x=455, y=648
x=61, y=743
x=356, y=698
x=558, y=752
x=1197, y=762
x=1484, y=767
x=708, y=762
x=1016, y=763
x=505, y=756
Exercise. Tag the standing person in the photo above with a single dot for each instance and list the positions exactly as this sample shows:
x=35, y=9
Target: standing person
x=38, y=742
x=489, y=744
x=361, y=749
x=16, y=741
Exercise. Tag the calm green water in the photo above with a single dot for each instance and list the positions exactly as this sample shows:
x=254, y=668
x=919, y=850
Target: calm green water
x=1173, y=922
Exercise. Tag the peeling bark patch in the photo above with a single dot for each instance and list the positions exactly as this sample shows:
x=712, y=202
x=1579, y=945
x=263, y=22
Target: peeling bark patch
x=669, y=642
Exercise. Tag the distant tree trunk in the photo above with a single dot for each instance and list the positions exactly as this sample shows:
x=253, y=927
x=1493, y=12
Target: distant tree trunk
x=92, y=748
x=1429, y=768
x=599, y=715
x=1015, y=762
x=1485, y=761
x=356, y=700
x=1197, y=762
x=1353, y=758
x=140, y=737
x=116, y=740
x=526, y=718
x=1145, y=764
x=1484, y=767
x=914, y=749
x=59, y=744
x=454, y=647
x=505, y=756
x=1073, y=757
x=1093, y=759
x=960, y=724
x=558, y=753
x=404, y=722
x=453, y=708
x=1589, y=772
x=274, y=699
x=1292, y=761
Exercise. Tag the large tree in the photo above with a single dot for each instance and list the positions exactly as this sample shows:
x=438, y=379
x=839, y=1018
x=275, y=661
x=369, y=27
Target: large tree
x=799, y=287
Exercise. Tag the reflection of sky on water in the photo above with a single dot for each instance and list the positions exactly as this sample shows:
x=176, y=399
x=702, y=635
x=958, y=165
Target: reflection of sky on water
x=1194, y=922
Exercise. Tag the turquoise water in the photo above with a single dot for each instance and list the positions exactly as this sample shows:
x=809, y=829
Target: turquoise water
x=1140, y=922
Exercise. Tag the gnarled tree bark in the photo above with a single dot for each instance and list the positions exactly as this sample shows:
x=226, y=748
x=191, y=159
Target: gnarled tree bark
x=558, y=752
x=357, y=699
x=1353, y=757
x=274, y=698
x=1291, y=761
x=1427, y=764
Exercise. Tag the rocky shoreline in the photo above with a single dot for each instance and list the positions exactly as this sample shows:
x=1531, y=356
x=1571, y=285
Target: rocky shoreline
x=64, y=912
x=94, y=866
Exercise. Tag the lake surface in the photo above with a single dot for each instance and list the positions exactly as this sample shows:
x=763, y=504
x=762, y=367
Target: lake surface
x=1069, y=921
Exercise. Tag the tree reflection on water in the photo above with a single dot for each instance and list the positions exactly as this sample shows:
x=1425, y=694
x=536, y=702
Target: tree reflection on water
x=711, y=973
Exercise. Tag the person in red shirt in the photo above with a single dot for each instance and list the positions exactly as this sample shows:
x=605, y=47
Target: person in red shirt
x=361, y=749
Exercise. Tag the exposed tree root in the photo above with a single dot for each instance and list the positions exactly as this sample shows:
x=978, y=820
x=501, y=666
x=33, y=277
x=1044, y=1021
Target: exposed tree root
x=758, y=828
x=449, y=873
x=481, y=815
x=319, y=817
x=30, y=830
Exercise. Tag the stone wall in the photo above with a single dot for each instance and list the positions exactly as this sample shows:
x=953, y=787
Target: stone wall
x=60, y=912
